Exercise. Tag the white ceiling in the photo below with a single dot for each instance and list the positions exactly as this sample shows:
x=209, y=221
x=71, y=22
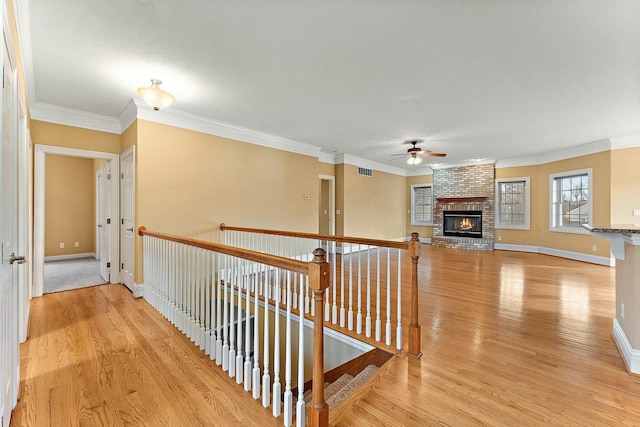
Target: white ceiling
x=475, y=79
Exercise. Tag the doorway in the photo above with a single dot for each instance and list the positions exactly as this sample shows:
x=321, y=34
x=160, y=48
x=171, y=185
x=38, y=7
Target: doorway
x=326, y=214
x=112, y=200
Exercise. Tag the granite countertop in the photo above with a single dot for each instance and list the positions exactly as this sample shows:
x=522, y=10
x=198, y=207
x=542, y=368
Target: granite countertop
x=613, y=228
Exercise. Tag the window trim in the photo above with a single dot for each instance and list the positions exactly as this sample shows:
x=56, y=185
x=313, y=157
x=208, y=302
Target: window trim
x=413, y=204
x=527, y=203
x=567, y=174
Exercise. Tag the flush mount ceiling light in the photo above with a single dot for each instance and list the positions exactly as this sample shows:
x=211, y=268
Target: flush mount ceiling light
x=156, y=97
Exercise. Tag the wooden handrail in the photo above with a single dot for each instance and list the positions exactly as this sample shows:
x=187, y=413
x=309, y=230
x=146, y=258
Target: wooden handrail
x=342, y=239
x=272, y=260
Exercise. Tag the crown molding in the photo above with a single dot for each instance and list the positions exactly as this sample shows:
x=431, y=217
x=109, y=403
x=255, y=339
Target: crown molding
x=177, y=118
x=630, y=141
x=327, y=158
x=554, y=156
x=364, y=163
x=128, y=115
x=421, y=172
x=68, y=117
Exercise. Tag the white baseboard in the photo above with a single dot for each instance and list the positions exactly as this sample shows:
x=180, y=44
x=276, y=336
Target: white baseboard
x=138, y=290
x=70, y=256
x=630, y=355
x=593, y=259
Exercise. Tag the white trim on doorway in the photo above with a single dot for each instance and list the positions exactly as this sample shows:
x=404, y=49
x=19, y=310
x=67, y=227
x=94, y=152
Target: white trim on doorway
x=41, y=152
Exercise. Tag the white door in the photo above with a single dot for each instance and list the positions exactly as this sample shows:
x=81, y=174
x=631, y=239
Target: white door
x=104, y=223
x=9, y=362
x=127, y=218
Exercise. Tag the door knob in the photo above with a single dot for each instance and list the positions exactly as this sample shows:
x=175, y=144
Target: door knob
x=19, y=259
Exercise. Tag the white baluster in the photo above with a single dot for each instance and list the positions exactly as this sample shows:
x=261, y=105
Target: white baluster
x=350, y=314
x=300, y=406
x=207, y=299
x=288, y=395
x=367, y=329
x=247, y=334
x=266, y=377
x=399, y=327
x=239, y=285
x=359, y=315
x=277, y=405
x=342, y=311
x=232, y=319
x=378, y=321
x=388, y=324
x=256, y=336
x=225, y=324
x=334, y=317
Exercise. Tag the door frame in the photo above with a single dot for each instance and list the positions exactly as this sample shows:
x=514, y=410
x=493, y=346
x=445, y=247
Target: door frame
x=41, y=152
x=332, y=201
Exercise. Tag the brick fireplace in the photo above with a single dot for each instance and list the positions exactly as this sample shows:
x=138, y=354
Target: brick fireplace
x=464, y=189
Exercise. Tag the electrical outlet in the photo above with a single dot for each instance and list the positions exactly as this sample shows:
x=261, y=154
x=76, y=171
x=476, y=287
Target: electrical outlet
x=622, y=310
x=594, y=248
x=499, y=238
x=77, y=244
x=61, y=245
x=636, y=212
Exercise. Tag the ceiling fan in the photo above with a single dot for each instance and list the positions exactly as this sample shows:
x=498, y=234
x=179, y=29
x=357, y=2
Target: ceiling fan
x=415, y=152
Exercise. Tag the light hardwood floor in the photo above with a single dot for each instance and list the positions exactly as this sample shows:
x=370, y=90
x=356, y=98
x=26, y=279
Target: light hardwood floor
x=508, y=339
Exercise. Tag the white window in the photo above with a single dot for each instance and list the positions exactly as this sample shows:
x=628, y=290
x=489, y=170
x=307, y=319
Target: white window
x=513, y=203
x=570, y=200
x=421, y=205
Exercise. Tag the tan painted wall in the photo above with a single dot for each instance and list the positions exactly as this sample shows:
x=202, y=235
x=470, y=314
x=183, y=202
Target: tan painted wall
x=129, y=137
x=69, y=205
x=625, y=185
x=601, y=165
x=424, y=231
x=326, y=169
x=189, y=183
x=539, y=234
x=73, y=137
x=374, y=206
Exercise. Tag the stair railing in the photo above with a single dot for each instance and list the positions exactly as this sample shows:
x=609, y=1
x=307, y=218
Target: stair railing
x=361, y=269
x=213, y=294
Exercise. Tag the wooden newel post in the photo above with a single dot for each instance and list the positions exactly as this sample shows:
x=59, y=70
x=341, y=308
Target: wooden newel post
x=415, y=346
x=319, y=282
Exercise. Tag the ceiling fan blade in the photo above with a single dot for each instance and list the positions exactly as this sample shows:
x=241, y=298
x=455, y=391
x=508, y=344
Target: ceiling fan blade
x=430, y=154
x=397, y=155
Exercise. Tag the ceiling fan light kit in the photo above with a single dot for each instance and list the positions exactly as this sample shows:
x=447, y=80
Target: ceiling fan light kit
x=155, y=97
x=414, y=160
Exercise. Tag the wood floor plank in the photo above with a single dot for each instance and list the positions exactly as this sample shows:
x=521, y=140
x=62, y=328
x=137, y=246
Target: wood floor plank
x=508, y=339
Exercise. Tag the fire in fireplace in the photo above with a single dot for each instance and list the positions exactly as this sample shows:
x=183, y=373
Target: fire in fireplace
x=462, y=223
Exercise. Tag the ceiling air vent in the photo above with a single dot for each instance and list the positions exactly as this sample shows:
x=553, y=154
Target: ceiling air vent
x=365, y=172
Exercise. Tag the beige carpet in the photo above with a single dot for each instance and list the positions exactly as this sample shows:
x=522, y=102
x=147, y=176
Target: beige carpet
x=335, y=393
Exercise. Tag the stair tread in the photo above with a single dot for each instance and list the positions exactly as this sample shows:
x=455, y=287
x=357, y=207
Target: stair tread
x=336, y=386
x=338, y=397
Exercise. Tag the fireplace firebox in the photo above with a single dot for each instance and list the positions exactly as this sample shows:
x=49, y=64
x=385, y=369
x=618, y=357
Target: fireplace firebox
x=462, y=223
